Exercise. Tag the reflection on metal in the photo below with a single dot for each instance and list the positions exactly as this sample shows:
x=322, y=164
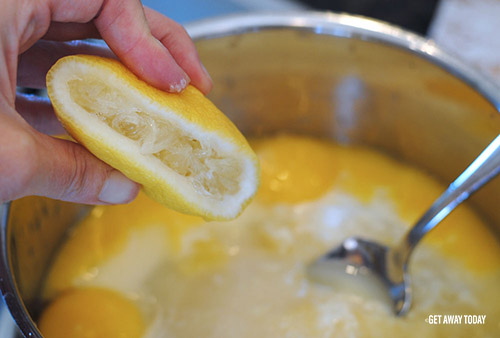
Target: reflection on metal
x=348, y=99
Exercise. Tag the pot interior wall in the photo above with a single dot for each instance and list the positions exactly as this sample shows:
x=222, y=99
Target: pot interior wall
x=358, y=92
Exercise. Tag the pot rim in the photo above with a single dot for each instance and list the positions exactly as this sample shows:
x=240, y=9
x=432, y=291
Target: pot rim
x=349, y=26
x=326, y=23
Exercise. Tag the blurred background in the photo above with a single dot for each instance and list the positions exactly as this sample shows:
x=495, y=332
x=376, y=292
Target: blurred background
x=466, y=28
x=411, y=14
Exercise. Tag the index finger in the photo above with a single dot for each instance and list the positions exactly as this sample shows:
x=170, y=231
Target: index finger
x=123, y=25
x=169, y=64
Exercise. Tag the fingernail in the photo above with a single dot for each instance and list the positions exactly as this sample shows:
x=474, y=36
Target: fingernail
x=179, y=87
x=117, y=189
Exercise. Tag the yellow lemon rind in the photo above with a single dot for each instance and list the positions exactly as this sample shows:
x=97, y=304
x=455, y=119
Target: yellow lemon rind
x=202, y=119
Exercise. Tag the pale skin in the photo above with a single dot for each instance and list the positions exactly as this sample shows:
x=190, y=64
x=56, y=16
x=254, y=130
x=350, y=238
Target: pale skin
x=33, y=35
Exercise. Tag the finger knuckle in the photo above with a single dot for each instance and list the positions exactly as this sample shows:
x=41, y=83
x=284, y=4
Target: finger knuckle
x=17, y=166
x=75, y=183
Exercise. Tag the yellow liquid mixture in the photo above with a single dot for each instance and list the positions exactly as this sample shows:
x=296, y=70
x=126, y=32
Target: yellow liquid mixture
x=246, y=278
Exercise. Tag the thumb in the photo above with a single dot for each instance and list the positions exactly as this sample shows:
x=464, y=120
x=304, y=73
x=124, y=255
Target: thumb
x=67, y=171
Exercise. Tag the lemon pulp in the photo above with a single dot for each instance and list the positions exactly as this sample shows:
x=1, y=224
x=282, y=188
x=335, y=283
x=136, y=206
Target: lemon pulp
x=210, y=173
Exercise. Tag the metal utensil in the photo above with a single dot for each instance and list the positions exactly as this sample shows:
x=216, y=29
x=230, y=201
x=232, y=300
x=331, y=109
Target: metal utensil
x=375, y=263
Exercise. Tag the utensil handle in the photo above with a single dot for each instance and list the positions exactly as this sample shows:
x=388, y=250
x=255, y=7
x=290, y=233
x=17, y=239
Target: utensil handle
x=485, y=167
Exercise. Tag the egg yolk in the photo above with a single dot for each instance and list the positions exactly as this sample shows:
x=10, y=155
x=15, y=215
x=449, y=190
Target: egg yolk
x=91, y=313
x=294, y=169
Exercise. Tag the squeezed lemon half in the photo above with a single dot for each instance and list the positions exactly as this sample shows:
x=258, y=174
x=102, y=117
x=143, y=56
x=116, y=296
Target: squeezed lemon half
x=183, y=150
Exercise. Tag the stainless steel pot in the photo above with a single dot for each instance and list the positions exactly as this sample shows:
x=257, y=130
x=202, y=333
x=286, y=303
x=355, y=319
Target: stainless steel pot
x=347, y=78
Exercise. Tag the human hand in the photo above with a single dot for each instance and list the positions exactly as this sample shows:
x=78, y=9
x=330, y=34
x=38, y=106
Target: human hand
x=33, y=35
